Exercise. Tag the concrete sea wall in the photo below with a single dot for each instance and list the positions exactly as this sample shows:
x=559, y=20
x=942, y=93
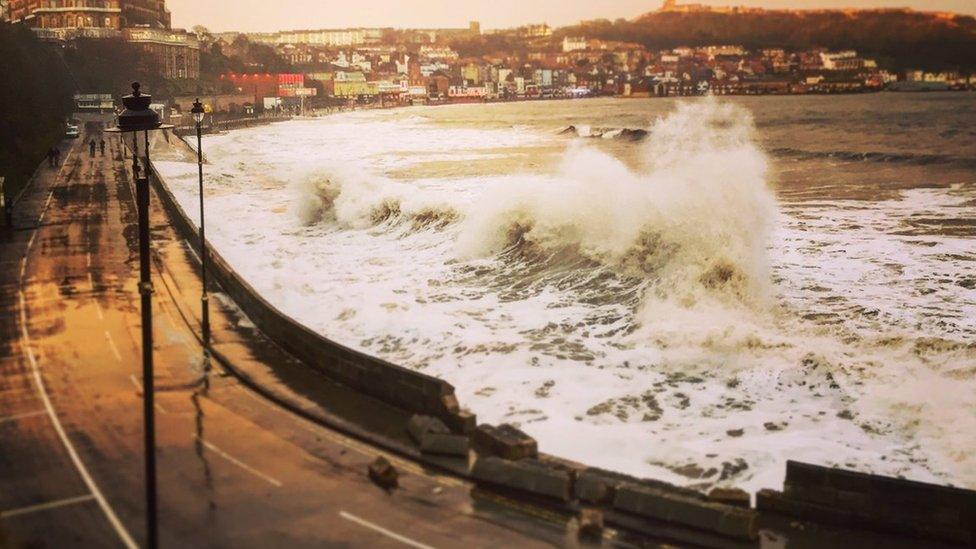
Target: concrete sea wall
x=396, y=385
x=505, y=459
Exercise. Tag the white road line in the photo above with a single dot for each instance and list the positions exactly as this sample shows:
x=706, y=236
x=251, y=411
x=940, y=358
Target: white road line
x=88, y=260
x=270, y=480
x=45, y=506
x=96, y=493
x=23, y=268
x=111, y=345
x=91, y=283
x=72, y=453
x=15, y=417
x=138, y=386
x=379, y=529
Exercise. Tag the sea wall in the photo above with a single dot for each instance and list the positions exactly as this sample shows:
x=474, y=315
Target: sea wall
x=401, y=387
x=507, y=460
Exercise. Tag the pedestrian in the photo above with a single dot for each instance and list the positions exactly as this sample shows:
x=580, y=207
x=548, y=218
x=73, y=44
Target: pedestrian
x=91, y=148
x=57, y=157
x=101, y=144
x=50, y=157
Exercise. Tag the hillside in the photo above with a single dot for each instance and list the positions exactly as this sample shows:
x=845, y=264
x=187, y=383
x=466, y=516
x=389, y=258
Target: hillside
x=897, y=39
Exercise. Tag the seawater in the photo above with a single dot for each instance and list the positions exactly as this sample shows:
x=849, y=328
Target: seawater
x=740, y=282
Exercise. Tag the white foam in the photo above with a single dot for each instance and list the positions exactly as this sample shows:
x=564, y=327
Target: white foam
x=628, y=317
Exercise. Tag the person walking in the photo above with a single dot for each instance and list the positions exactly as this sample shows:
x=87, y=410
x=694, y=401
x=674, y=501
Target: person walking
x=57, y=157
x=101, y=145
x=91, y=148
x=50, y=157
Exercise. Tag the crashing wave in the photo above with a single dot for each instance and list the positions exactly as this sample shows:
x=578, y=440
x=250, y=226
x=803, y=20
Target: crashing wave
x=697, y=216
x=354, y=201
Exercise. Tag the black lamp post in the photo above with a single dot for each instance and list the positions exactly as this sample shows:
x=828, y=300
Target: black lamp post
x=198, y=112
x=138, y=117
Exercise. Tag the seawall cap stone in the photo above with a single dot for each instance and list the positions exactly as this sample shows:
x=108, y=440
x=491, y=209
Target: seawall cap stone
x=594, y=485
x=420, y=425
x=731, y=496
x=450, y=403
x=463, y=422
x=680, y=509
x=527, y=475
x=446, y=444
x=505, y=441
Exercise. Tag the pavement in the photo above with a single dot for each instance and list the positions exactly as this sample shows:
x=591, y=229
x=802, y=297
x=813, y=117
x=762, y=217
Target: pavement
x=234, y=468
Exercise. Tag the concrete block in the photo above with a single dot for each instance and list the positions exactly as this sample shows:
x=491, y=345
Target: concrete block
x=420, y=425
x=450, y=404
x=730, y=496
x=505, y=441
x=678, y=508
x=446, y=444
x=526, y=475
x=590, y=523
x=382, y=472
x=463, y=422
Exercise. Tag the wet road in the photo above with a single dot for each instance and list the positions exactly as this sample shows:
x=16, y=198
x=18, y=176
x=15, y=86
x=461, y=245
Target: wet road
x=234, y=469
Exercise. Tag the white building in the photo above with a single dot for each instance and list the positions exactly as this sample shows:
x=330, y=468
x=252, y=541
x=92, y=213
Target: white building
x=574, y=43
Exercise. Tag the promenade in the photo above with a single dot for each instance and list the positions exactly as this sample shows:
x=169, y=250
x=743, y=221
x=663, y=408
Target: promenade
x=234, y=469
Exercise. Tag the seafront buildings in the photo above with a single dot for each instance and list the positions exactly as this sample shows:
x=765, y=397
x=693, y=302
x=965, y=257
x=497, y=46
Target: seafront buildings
x=143, y=22
x=391, y=67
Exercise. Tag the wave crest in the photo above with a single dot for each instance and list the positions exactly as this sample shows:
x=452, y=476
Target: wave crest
x=697, y=217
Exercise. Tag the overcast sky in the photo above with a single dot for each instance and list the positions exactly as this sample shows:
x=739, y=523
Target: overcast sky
x=271, y=15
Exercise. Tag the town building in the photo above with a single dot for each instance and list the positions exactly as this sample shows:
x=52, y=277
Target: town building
x=176, y=52
x=142, y=22
x=67, y=14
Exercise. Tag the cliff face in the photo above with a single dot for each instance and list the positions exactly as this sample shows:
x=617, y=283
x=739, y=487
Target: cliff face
x=898, y=39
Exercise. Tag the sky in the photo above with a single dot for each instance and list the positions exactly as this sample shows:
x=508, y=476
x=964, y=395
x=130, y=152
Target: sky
x=265, y=15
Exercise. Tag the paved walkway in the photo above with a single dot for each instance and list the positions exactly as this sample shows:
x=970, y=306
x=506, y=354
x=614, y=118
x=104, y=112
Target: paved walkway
x=234, y=469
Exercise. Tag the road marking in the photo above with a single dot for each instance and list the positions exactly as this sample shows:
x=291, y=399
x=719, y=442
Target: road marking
x=88, y=260
x=98, y=310
x=270, y=480
x=379, y=529
x=45, y=506
x=72, y=453
x=42, y=391
x=111, y=345
x=138, y=386
x=23, y=268
x=91, y=283
x=15, y=417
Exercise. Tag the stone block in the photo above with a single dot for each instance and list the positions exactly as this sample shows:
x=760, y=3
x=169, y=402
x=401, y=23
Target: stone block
x=382, y=472
x=445, y=444
x=730, y=496
x=463, y=422
x=590, y=523
x=527, y=475
x=678, y=508
x=420, y=425
x=505, y=441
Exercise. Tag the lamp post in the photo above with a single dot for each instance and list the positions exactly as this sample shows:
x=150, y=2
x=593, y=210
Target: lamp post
x=198, y=112
x=138, y=117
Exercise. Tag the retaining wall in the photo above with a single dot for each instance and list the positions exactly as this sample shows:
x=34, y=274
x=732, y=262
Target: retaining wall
x=396, y=385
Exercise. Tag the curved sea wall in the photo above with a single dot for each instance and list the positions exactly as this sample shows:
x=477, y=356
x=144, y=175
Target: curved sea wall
x=401, y=387
x=507, y=459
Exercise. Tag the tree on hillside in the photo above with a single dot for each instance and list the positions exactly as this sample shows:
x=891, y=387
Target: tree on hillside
x=35, y=100
x=898, y=39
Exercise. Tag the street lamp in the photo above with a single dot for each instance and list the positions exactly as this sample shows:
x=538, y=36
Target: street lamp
x=138, y=117
x=198, y=112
